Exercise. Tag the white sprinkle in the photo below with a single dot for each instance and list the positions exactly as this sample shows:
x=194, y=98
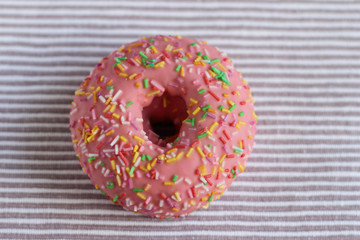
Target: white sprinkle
x=161, y=203
x=157, y=85
x=101, y=137
x=188, y=181
x=115, y=140
x=73, y=111
x=104, y=119
x=117, y=95
x=102, y=99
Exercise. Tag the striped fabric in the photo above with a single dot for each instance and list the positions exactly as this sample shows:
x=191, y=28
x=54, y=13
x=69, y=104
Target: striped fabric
x=301, y=59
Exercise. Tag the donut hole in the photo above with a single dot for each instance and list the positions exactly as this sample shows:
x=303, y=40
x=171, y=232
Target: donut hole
x=163, y=118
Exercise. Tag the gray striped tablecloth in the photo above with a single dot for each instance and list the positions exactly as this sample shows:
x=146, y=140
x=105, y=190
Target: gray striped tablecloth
x=301, y=59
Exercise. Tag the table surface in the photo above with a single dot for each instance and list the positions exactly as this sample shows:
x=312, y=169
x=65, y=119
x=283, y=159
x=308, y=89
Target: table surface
x=302, y=62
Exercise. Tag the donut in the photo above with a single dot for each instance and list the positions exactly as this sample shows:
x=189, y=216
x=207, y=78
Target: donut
x=163, y=125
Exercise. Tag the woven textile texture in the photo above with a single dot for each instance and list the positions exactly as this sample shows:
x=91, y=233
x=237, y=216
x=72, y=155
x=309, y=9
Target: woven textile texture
x=302, y=62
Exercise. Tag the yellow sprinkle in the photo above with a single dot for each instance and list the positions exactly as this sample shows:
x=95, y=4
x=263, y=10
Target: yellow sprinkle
x=112, y=108
x=198, y=149
x=212, y=73
x=254, y=115
x=115, y=115
x=139, y=139
x=123, y=139
x=179, y=155
x=175, y=209
x=154, y=49
x=182, y=72
x=153, y=93
x=80, y=93
x=214, y=171
x=107, y=109
x=178, y=49
x=194, y=100
x=97, y=89
x=211, y=110
x=118, y=180
x=137, y=84
x=240, y=145
x=95, y=98
x=147, y=187
x=188, y=55
x=86, y=125
x=189, y=152
x=136, y=44
x=230, y=102
x=209, y=133
x=169, y=47
x=160, y=64
x=140, y=195
x=192, y=202
x=221, y=66
x=250, y=137
x=112, y=164
x=102, y=78
x=123, y=75
x=241, y=167
x=136, y=155
x=120, y=67
x=75, y=141
x=214, y=125
x=109, y=82
x=138, y=61
x=225, y=86
x=109, y=132
x=237, y=93
x=136, y=147
x=153, y=162
x=171, y=150
x=222, y=186
x=108, y=100
x=241, y=123
x=222, y=158
x=132, y=76
x=196, y=111
x=225, y=110
x=168, y=183
x=177, y=195
x=144, y=169
x=204, y=199
x=226, y=95
x=171, y=160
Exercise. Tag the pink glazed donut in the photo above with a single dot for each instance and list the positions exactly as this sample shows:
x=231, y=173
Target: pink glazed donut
x=162, y=126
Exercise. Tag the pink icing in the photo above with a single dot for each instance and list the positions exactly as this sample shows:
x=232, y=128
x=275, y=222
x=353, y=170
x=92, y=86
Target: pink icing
x=113, y=136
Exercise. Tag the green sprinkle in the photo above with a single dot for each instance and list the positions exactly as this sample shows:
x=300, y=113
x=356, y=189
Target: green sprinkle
x=204, y=115
x=206, y=107
x=211, y=197
x=193, y=122
x=148, y=157
x=138, y=190
x=201, y=91
x=143, y=61
x=143, y=55
x=177, y=139
x=193, y=44
x=223, y=78
x=150, y=65
x=110, y=185
x=206, y=57
x=232, y=171
x=102, y=164
x=209, y=145
x=151, y=40
x=202, y=135
x=152, y=60
x=184, y=57
x=143, y=157
x=220, y=107
x=171, y=144
x=241, y=114
x=232, y=107
x=150, y=46
x=178, y=68
x=174, y=178
x=119, y=59
x=115, y=198
x=146, y=83
x=115, y=65
x=234, y=175
x=110, y=87
x=90, y=159
x=102, y=192
x=217, y=71
x=198, y=53
x=188, y=120
x=214, y=60
x=128, y=104
x=131, y=170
